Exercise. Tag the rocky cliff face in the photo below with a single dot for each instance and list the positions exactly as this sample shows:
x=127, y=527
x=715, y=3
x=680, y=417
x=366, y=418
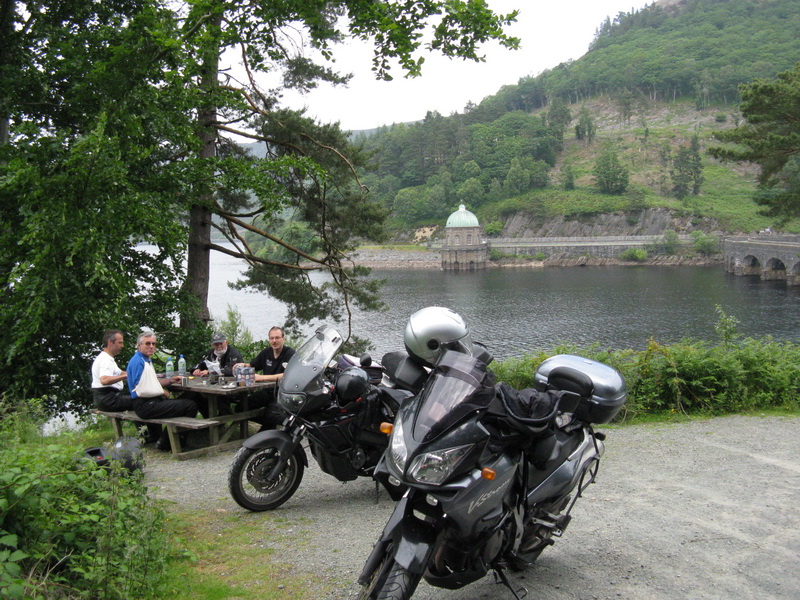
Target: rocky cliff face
x=645, y=222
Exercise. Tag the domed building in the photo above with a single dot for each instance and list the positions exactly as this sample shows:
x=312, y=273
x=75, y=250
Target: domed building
x=464, y=246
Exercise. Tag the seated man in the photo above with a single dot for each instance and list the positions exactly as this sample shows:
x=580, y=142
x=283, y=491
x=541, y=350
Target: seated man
x=108, y=378
x=220, y=352
x=151, y=404
x=272, y=363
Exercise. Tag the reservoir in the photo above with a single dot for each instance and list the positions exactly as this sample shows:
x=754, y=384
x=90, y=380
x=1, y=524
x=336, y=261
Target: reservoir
x=517, y=311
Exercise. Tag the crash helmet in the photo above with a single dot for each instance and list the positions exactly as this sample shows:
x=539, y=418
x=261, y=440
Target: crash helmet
x=352, y=384
x=128, y=451
x=432, y=330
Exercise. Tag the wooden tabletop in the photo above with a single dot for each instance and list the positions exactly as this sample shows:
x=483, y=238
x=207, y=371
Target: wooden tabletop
x=228, y=387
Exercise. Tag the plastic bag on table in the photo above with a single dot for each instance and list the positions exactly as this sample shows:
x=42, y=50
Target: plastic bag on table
x=213, y=367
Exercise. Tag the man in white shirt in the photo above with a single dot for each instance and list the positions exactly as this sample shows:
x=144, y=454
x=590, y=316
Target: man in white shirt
x=108, y=378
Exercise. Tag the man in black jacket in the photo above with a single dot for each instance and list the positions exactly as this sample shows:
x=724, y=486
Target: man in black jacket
x=272, y=363
x=221, y=352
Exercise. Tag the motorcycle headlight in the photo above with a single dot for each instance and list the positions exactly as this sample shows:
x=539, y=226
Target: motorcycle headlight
x=291, y=403
x=433, y=468
x=397, y=448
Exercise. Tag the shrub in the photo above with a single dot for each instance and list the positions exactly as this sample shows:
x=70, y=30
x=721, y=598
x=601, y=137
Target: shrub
x=634, y=254
x=493, y=228
x=705, y=244
x=69, y=528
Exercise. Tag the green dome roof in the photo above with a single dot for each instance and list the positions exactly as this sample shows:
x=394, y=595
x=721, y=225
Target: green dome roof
x=462, y=218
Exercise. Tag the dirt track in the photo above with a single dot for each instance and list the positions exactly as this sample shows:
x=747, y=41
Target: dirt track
x=703, y=510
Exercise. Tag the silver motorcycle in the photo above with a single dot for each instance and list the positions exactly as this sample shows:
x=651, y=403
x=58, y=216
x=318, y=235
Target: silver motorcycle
x=485, y=476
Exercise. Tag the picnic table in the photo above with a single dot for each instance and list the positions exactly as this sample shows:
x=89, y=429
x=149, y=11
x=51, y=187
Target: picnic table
x=226, y=426
x=221, y=428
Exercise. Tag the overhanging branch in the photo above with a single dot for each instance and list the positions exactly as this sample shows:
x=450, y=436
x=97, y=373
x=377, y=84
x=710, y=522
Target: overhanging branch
x=263, y=261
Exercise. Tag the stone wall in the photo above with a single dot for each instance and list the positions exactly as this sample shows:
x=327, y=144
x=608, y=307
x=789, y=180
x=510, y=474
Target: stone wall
x=645, y=222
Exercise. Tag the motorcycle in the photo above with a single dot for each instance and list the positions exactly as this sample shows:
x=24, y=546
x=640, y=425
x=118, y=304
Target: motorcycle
x=486, y=476
x=337, y=406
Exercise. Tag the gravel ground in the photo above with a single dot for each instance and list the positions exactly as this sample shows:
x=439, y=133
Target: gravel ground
x=702, y=510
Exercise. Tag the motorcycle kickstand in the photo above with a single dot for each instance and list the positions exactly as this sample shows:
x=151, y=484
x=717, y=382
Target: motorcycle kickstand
x=501, y=575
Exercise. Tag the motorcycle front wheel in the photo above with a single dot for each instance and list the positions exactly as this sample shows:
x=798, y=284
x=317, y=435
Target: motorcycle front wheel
x=390, y=581
x=247, y=478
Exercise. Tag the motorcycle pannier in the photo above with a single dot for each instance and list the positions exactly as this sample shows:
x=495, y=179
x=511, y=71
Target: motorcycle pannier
x=609, y=393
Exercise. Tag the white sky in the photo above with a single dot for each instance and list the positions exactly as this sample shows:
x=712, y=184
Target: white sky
x=551, y=32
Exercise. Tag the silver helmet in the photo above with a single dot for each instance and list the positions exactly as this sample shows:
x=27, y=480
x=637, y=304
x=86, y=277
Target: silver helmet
x=431, y=330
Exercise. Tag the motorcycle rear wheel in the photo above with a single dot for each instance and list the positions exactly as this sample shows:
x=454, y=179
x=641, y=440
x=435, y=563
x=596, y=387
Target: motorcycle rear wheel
x=390, y=581
x=247, y=478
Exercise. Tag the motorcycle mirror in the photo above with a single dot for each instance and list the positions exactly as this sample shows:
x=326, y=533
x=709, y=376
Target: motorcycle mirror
x=366, y=360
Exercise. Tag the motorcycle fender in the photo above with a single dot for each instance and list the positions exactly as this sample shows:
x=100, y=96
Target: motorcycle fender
x=413, y=541
x=279, y=439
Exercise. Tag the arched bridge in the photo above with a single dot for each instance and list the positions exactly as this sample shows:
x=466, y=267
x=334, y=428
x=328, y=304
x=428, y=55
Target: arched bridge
x=769, y=256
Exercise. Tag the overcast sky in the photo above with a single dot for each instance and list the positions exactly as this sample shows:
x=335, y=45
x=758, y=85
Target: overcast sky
x=550, y=33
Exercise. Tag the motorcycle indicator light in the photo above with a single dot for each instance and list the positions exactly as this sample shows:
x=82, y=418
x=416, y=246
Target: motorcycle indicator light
x=386, y=428
x=488, y=473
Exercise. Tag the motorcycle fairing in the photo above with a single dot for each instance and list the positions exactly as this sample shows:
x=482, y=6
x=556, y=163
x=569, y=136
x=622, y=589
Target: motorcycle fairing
x=560, y=480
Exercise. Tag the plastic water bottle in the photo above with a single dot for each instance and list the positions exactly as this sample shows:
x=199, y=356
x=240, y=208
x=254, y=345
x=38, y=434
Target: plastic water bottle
x=182, y=366
x=170, y=367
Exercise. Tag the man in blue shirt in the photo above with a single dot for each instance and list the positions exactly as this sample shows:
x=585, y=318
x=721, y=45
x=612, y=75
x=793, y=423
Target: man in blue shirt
x=154, y=407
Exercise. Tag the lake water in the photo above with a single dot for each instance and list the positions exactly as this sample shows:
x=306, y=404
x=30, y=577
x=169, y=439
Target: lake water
x=518, y=311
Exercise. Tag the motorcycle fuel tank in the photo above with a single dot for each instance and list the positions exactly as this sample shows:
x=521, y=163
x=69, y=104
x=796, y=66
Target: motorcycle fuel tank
x=609, y=394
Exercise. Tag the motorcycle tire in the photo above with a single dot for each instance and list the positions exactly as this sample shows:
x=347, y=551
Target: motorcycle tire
x=390, y=581
x=247, y=478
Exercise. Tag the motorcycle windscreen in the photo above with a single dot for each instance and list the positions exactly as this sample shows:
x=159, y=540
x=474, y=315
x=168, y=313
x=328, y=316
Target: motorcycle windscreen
x=311, y=359
x=319, y=350
x=459, y=386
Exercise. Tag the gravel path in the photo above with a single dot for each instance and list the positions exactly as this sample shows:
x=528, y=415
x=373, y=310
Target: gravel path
x=702, y=510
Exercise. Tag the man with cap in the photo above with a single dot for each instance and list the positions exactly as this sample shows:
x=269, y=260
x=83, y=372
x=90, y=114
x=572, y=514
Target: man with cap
x=221, y=352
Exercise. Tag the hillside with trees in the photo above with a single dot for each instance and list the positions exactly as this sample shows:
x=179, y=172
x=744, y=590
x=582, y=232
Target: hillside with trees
x=626, y=127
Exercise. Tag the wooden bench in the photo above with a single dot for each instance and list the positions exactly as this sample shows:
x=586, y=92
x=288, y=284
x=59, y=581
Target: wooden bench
x=174, y=426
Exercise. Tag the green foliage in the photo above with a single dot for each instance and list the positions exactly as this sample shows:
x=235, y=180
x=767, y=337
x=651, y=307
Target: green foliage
x=769, y=138
x=703, y=50
x=670, y=243
x=67, y=524
x=610, y=175
x=687, y=171
x=568, y=177
x=726, y=327
x=234, y=328
x=70, y=209
x=586, y=129
x=634, y=254
x=493, y=228
x=705, y=244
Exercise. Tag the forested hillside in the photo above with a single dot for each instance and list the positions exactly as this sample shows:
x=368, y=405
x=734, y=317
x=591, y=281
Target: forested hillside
x=625, y=127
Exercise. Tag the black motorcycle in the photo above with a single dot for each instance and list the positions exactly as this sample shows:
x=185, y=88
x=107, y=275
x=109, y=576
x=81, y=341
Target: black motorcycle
x=486, y=476
x=335, y=405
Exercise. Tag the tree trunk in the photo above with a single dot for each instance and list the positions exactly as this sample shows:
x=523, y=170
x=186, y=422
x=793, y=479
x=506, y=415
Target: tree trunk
x=6, y=34
x=198, y=266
